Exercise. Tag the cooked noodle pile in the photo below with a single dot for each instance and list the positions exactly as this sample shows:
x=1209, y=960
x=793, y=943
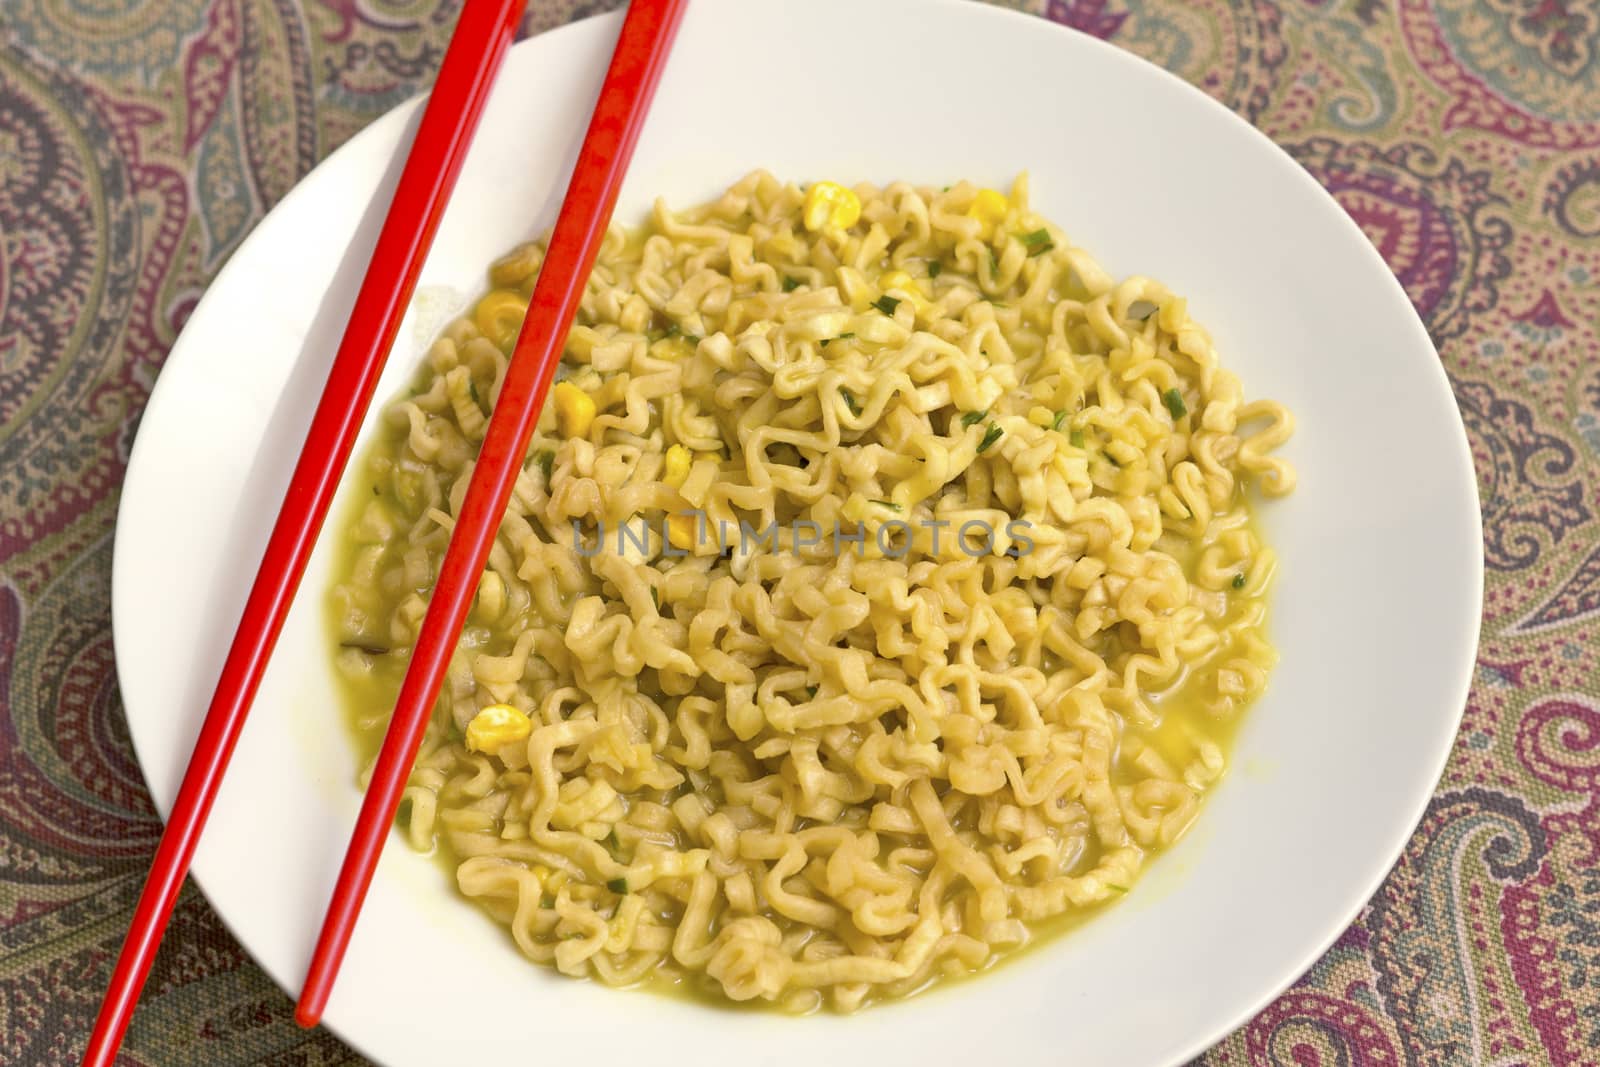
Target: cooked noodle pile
x=880, y=584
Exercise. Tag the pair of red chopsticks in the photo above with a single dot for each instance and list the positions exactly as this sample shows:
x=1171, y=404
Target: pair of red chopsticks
x=451, y=116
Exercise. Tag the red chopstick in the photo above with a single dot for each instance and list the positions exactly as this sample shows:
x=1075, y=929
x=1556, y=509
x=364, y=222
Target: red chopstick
x=485, y=31
x=630, y=83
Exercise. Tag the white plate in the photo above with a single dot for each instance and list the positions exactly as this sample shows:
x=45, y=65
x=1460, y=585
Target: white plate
x=1376, y=612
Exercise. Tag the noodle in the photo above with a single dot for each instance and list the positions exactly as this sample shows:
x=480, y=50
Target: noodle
x=881, y=584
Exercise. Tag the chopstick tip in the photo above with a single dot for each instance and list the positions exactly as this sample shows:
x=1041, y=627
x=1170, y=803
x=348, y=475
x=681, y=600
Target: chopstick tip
x=307, y=1015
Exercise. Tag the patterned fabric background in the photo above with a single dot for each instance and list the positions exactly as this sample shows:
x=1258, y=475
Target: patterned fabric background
x=140, y=140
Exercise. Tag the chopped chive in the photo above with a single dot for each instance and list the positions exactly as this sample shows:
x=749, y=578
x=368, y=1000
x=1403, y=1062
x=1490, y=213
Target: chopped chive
x=672, y=330
x=1140, y=310
x=790, y=284
x=655, y=597
x=547, y=901
x=472, y=391
x=890, y=504
x=1238, y=581
x=1076, y=437
x=1038, y=242
x=1060, y=420
x=850, y=401
x=994, y=262
x=811, y=691
x=1174, y=401
x=990, y=436
x=546, y=460
x=972, y=418
x=611, y=839
x=935, y=268
x=1112, y=460
x=886, y=304
x=842, y=337
x=618, y=885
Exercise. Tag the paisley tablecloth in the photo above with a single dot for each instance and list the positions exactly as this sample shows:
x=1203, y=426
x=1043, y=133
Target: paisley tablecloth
x=141, y=139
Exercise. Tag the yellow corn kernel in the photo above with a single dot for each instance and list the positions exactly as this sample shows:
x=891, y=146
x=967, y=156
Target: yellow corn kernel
x=496, y=725
x=682, y=531
x=904, y=283
x=678, y=461
x=574, y=410
x=830, y=205
x=989, y=207
x=499, y=316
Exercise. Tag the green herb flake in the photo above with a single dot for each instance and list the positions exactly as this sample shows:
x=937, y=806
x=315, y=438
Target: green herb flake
x=1059, y=421
x=890, y=504
x=611, y=840
x=1112, y=460
x=842, y=337
x=547, y=901
x=790, y=284
x=546, y=461
x=472, y=391
x=850, y=401
x=886, y=304
x=811, y=692
x=972, y=418
x=1038, y=242
x=655, y=597
x=935, y=268
x=672, y=330
x=1076, y=437
x=618, y=886
x=1174, y=401
x=1238, y=581
x=990, y=436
